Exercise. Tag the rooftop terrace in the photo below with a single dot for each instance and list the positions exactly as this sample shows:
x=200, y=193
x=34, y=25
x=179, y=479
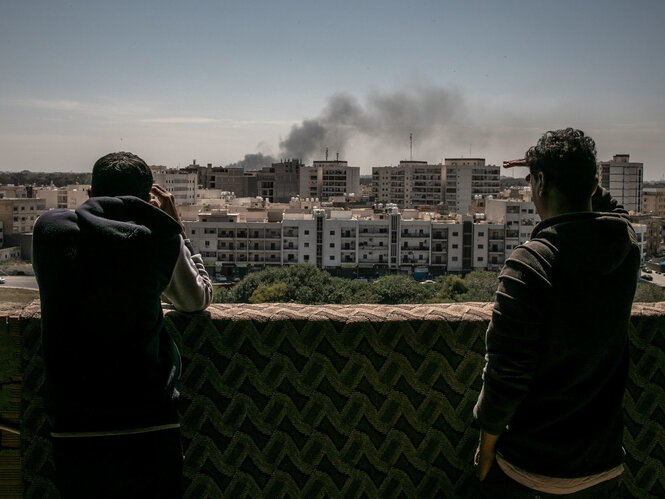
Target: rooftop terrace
x=310, y=401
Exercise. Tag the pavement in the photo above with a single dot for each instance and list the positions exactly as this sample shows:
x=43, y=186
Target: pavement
x=20, y=281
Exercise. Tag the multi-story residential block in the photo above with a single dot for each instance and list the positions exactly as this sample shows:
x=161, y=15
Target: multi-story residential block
x=329, y=179
x=466, y=178
x=235, y=179
x=68, y=197
x=15, y=191
x=358, y=239
x=624, y=181
x=653, y=201
x=411, y=184
x=280, y=182
x=18, y=215
x=517, y=217
x=181, y=183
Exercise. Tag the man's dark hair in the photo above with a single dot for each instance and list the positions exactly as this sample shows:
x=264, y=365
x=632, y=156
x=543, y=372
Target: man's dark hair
x=121, y=174
x=568, y=160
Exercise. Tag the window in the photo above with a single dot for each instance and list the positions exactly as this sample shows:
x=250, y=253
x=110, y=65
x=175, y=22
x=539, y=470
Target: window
x=455, y=234
x=307, y=233
x=332, y=257
x=306, y=258
x=306, y=245
x=454, y=259
x=480, y=246
x=193, y=231
x=332, y=232
x=481, y=234
x=332, y=245
x=454, y=246
x=480, y=258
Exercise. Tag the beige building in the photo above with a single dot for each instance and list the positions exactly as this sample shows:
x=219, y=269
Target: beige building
x=467, y=178
x=409, y=185
x=624, y=181
x=18, y=215
x=329, y=179
x=653, y=201
x=181, y=183
x=68, y=197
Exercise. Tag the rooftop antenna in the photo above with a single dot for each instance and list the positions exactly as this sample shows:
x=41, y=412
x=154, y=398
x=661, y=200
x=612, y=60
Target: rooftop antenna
x=326, y=154
x=410, y=147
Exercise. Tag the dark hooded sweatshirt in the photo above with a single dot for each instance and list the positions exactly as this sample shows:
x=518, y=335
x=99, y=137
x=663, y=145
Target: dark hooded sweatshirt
x=557, y=344
x=110, y=364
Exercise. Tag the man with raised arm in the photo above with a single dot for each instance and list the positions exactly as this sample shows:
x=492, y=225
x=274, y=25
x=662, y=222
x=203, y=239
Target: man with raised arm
x=550, y=409
x=111, y=367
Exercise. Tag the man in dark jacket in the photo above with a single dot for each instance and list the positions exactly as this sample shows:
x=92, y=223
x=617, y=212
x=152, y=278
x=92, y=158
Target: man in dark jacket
x=111, y=367
x=550, y=409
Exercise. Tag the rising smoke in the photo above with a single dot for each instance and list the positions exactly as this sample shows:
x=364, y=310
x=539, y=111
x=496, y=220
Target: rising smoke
x=427, y=112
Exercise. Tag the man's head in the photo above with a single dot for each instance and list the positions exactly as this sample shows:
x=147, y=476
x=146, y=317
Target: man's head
x=121, y=174
x=562, y=167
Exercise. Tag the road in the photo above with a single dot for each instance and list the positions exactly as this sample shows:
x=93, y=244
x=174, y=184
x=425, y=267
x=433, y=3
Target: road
x=20, y=281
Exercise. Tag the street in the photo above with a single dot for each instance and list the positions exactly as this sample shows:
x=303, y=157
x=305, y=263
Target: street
x=20, y=281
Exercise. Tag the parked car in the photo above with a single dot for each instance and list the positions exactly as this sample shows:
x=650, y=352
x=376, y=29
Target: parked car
x=647, y=277
x=2, y=280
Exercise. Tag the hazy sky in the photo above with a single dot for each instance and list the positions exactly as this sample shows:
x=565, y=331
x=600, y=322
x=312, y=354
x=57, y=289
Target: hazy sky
x=215, y=80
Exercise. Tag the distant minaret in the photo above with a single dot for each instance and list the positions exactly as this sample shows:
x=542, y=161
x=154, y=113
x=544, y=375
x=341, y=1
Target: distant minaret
x=326, y=154
x=410, y=147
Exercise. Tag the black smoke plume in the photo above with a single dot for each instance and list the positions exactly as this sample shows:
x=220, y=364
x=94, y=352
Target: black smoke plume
x=427, y=112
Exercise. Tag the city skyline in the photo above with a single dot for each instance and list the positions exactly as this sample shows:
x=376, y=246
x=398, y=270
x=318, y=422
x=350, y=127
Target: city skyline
x=215, y=82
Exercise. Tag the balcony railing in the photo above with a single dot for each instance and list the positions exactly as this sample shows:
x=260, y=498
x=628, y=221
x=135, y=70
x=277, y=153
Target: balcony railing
x=310, y=401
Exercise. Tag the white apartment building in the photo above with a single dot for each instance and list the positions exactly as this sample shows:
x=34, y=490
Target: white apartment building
x=348, y=240
x=466, y=178
x=328, y=179
x=181, y=183
x=409, y=185
x=624, y=181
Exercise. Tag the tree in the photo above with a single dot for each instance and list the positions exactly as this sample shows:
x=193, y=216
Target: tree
x=265, y=294
x=395, y=289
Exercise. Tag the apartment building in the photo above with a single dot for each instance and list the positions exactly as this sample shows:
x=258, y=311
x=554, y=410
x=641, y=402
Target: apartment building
x=408, y=185
x=623, y=179
x=653, y=201
x=280, y=182
x=68, y=197
x=518, y=218
x=329, y=179
x=359, y=239
x=181, y=183
x=466, y=178
x=18, y=215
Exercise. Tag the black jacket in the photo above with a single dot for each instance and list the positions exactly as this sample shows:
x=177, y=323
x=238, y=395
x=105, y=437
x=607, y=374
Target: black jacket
x=557, y=345
x=110, y=364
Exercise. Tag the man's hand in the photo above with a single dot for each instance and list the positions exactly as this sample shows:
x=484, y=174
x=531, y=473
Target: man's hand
x=485, y=454
x=164, y=201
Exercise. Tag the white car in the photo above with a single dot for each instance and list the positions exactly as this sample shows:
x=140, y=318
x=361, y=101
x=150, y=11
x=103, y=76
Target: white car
x=2, y=280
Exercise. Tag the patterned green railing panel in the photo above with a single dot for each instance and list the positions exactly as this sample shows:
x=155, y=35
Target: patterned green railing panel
x=295, y=401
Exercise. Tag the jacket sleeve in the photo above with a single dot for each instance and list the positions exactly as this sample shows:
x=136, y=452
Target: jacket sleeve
x=513, y=337
x=190, y=289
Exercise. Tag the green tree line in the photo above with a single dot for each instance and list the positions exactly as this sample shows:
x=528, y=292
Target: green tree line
x=307, y=284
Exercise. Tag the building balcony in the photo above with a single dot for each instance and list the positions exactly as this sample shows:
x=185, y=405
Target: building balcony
x=301, y=401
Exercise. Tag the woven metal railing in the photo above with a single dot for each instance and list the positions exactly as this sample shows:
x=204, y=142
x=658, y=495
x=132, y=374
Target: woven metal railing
x=289, y=400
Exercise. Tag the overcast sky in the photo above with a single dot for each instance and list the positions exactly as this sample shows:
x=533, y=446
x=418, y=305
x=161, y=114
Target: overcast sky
x=215, y=80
